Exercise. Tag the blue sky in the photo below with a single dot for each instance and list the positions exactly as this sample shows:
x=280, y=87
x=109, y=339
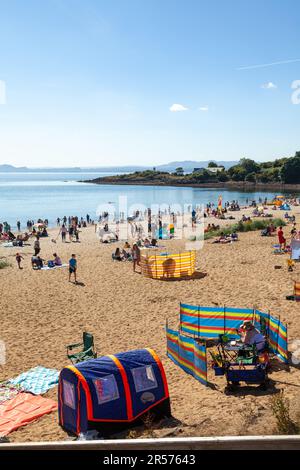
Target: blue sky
x=92, y=82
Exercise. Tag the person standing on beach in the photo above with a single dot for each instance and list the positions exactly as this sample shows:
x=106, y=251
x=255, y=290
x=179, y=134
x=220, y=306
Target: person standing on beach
x=18, y=260
x=19, y=226
x=281, y=238
x=63, y=232
x=37, y=247
x=136, y=256
x=72, y=267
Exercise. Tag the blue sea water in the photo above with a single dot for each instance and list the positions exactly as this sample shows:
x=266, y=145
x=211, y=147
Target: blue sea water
x=48, y=195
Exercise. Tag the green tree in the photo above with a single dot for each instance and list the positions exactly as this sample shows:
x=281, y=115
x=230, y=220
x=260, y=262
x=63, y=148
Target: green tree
x=290, y=172
x=250, y=166
x=222, y=177
x=251, y=177
x=212, y=165
x=179, y=171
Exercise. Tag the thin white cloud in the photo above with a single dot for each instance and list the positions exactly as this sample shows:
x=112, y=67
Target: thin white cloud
x=269, y=86
x=270, y=64
x=204, y=108
x=175, y=108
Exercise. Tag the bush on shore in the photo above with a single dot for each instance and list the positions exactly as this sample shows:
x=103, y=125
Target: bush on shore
x=241, y=226
x=4, y=264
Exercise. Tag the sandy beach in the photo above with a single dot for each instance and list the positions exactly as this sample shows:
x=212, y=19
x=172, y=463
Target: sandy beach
x=41, y=312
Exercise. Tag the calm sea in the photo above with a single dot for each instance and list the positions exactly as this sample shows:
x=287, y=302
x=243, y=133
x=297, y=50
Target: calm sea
x=44, y=195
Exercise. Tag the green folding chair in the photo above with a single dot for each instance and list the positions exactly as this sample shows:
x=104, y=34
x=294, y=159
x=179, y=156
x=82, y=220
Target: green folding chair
x=87, y=352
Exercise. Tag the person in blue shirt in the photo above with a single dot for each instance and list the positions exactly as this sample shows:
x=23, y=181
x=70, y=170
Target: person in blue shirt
x=72, y=267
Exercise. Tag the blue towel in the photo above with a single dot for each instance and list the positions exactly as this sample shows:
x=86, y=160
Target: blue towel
x=37, y=380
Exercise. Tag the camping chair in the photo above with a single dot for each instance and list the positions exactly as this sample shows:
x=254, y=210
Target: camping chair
x=88, y=349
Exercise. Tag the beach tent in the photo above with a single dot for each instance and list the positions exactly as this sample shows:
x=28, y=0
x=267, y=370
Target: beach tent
x=285, y=207
x=112, y=391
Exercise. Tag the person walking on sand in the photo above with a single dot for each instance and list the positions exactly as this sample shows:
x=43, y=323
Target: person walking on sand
x=18, y=260
x=72, y=267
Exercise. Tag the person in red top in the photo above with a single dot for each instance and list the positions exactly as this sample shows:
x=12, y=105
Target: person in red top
x=281, y=239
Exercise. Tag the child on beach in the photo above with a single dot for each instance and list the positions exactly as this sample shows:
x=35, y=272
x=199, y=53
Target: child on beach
x=136, y=256
x=18, y=260
x=72, y=267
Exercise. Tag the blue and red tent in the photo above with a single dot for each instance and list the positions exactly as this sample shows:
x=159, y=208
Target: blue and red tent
x=115, y=389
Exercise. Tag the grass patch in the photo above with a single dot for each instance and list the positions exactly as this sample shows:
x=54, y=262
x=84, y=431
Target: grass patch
x=245, y=227
x=4, y=264
x=280, y=408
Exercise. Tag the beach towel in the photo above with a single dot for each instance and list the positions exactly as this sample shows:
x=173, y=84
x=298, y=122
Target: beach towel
x=47, y=268
x=37, y=380
x=8, y=391
x=21, y=410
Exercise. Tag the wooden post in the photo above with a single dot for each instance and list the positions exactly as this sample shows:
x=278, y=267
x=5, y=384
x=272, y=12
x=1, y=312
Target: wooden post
x=179, y=317
x=286, y=340
x=277, y=334
x=179, y=265
x=269, y=324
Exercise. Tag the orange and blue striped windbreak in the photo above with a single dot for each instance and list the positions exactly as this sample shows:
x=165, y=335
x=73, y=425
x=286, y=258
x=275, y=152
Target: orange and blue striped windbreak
x=188, y=354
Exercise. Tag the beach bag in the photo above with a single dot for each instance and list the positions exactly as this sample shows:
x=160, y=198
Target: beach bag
x=50, y=264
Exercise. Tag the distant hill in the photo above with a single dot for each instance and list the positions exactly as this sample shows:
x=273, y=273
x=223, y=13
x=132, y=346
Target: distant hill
x=187, y=165
x=104, y=169
x=10, y=168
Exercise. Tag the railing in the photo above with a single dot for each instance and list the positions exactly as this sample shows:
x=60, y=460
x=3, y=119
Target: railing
x=188, y=443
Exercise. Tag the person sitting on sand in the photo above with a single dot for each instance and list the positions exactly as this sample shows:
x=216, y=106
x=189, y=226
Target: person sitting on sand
x=126, y=256
x=126, y=246
x=251, y=336
x=57, y=261
x=37, y=262
x=44, y=232
x=147, y=243
x=222, y=239
x=234, y=237
x=116, y=256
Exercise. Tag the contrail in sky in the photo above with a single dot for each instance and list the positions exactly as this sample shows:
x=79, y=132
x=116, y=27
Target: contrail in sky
x=260, y=66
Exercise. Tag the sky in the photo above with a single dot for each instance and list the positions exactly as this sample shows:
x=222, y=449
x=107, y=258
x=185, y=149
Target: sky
x=146, y=82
